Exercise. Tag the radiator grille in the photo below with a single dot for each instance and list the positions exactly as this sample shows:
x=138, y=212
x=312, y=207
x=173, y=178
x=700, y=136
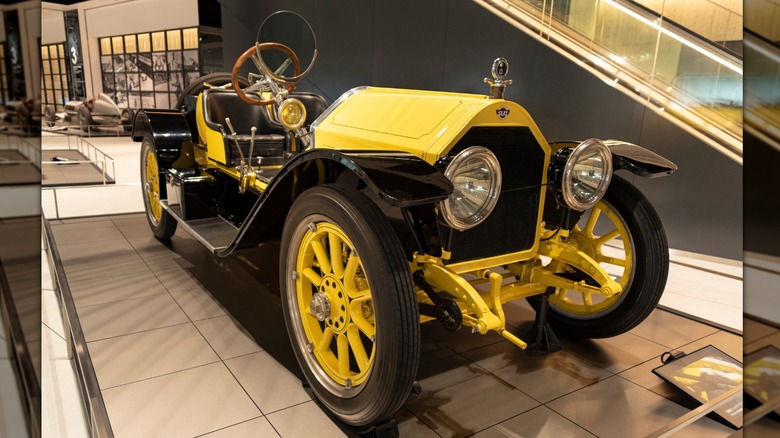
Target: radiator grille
x=511, y=227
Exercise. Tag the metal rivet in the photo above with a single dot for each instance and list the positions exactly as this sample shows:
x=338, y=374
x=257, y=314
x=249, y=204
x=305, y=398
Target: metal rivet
x=294, y=275
x=312, y=227
x=348, y=384
x=373, y=338
x=310, y=347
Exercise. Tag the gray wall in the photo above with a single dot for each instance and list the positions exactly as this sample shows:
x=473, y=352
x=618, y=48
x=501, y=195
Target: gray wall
x=450, y=45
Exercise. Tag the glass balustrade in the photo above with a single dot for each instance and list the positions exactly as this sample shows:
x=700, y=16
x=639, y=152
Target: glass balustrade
x=688, y=65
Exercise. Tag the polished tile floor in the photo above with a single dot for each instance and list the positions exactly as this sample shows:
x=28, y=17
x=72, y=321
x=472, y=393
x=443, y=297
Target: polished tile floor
x=188, y=344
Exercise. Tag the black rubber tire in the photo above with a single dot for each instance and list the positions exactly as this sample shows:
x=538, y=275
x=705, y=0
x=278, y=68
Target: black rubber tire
x=49, y=115
x=84, y=118
x=126, y=118
x=650, y=269
x=215, y=79
x=397, y=344
x=166, y=226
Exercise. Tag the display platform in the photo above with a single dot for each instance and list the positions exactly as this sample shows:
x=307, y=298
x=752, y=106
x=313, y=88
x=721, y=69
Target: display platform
x=70, y=168
x=185, y=343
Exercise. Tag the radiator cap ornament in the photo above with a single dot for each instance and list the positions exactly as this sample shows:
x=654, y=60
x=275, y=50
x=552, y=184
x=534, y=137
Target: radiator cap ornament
x=498, y=83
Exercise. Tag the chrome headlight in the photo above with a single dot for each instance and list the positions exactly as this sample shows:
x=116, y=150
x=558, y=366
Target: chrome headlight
x=476, y=176
x=586, y=174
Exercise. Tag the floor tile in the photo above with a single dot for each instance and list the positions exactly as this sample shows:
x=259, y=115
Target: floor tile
x=111, y=257
x=726, y=342
x=83, y=233
x=763, y=342
x=290, y=422
x=462, y=340
x=411, y=426
x=156, y=255
x=255, y=428
x=614, y=354
x=197, y=303
x=62, y=414
x=755, y=330
x=432, y=350
x=138, y=356
x=539, y=422
x=102, y=290
x=184, y=404
x=133, y=229
x=130, y=316
x=671, y=330
x=227, y=337
x=542, y=377
x=763, y=428
x=50, y=312
x=616, y=407
x=177, y=278
x=271, y=386
x=468, y=407
x=443, y=373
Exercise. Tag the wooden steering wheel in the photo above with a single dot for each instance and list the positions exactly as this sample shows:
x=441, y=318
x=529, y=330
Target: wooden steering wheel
x=251, y=53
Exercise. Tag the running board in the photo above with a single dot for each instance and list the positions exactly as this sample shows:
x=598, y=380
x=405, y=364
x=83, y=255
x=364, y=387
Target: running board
x=213, y=232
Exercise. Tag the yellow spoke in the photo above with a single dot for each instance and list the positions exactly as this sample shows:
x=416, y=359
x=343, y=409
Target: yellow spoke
x=327, y=337
x=336, y=259
x=591, y=224
x=607, y=237
x=312, y=276
x=601, y=258
x=361, y=295
x=322, y=256
x=343, y=354
x=356, y=315
x=350, y=270
x=356, y=344
x=587, y=299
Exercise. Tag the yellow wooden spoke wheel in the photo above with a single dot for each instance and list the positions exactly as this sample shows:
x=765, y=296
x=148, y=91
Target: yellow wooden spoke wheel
x=624, y=234
x=349, y=304
x=162, y=224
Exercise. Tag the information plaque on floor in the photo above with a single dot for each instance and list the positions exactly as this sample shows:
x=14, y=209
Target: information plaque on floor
x=705, y=374
x=762, y=377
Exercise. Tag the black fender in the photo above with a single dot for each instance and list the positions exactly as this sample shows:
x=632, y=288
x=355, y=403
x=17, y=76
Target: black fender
x=168, y=128
x=398, y=178
x=628, y=156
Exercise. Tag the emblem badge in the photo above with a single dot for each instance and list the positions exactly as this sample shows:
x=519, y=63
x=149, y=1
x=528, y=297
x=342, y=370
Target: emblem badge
x=502, y=112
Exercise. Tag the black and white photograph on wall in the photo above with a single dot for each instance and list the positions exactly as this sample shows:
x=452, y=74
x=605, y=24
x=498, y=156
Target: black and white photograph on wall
x=146, y=81
x=158, y=62
x=108, y=83
x=174, y=61
x=121, y=99
x=133, y=83
x=131, y=63
x=161, y=100
x=144, y=63
x=190, y=77
x=191, y=60
x=176, y=83
x=161, y=81
x=120, y=79
x=147, y=100
x=134, y=100
x=105, y=64
x=119, y=63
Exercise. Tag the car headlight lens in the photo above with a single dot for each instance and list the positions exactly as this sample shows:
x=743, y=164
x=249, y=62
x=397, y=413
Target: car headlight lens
x=292, y=113
x=586, y=174
x=476, y=176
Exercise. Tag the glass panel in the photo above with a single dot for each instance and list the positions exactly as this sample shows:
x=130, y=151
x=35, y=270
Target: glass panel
x=46, y=68
x=159, y=62
x=158, y=41
x=62, y=65
x=117, y=45
x=45, y=52
x=174, y=40
x=55, y=67
x=191, y=38
x=190, y=60
x=61, y=49
x=130, y=46
x=106, y=66
x=105, y=46
x=144, y=42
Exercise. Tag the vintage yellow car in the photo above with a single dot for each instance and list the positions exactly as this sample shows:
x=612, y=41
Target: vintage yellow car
x=397, y=207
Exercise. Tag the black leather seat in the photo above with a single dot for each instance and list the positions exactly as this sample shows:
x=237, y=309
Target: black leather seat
x=271, y=139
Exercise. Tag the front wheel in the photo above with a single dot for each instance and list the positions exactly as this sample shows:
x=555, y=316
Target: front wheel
x=624, y=234
x=349, y=304
x=163, y=225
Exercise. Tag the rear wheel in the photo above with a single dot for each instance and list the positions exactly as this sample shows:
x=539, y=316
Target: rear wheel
x=625, y=235
x=160, y=221
x=84, y=117
x=349, y=304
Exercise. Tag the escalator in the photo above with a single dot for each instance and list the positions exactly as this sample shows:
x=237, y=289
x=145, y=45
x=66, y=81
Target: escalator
x=685, y=64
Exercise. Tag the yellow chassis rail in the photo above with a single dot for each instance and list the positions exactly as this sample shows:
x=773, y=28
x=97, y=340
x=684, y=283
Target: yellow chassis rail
x=483, y=311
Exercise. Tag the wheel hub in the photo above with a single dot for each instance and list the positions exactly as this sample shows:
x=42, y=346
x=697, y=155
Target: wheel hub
x=333, y=291
x=320, y=306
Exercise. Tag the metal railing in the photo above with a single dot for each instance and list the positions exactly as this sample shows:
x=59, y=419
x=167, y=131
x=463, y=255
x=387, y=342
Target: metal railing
x=24, y=145
x=685, y=79
x=95, y=156
x=91, y=397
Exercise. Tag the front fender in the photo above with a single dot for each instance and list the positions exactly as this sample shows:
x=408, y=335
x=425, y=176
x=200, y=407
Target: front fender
x=398, y=178
x=168, y=128
x=639, y=160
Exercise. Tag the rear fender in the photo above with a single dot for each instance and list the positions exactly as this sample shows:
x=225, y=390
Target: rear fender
x=398, y=178
x=169, y=130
